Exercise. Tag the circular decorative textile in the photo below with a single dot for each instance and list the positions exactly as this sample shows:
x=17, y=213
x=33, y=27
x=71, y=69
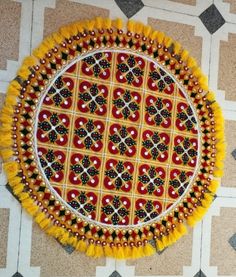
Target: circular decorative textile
x=111, y=139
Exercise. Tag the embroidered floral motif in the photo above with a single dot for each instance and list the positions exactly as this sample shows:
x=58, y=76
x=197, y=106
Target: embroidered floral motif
x=84, y=170
x=83, y=204
x=115, y=211
x=89, y=134
x=93, y=98
x=126, y=104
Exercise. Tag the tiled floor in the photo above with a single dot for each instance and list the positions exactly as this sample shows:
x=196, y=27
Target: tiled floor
x=207, y=28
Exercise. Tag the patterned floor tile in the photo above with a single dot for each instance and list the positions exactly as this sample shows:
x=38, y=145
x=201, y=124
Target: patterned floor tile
x=62, y=15
x=227, y=73
x=232, y=5
x=229, y=179
x=10, y=21
x=220, y=245
x=4, y=216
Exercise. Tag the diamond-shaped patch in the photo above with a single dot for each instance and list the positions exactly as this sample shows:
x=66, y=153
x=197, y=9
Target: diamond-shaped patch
x=115, y=274
x=130, y=7
x=232, y=241
x=212, y=19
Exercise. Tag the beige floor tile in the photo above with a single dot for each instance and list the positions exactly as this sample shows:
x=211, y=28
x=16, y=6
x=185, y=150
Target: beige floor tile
x=232, y=5
x=62, y=15
x=4, y=219
x=222, y=253
x=9, y=31
x=227, y=72
x=53, y=260
x=229, y=179
x=187, y=2
x=182, y=33
x=180, y=254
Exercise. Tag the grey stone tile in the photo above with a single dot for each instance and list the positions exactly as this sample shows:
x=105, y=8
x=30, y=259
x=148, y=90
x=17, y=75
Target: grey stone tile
x=212, y=19
x=115, y=274
x=68, y=248
x=130, y=7
x=17, y=274
x=232, y=241
x=200, y=274
x=233, y=153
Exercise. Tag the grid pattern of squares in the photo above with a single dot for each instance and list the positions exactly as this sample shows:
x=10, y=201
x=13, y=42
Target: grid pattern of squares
x=122, y=138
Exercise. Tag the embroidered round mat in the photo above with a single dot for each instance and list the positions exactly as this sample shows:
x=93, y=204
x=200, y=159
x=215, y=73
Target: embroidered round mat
x=114, y=137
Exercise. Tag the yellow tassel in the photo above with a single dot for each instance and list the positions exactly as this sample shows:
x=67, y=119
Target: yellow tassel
x=17, y=189
x=107, y=23
x=191, y=62
x=147, y=29
x=131, y=25
x=51, y=230
x=184, y=55
x=81, y=246
x=160, y=245
x=182, y=229
x=98, y=23
x=208, y=198
x=49, y=43
x=118, y=23
x=135, y=252
x=65, y=32
x=191, y=221
x=58, y=38
x=214, y=186
x=98, y=251
x=203, y=82
x=80, y=27
x=64, y=237
x=11, y=100
x=118, y=253
x=127, y=252
x=153, y=35
x=218, y=173
x=177, y=47
x=29, y=61
x=138, y=28
x=210, y=96
x=44, y=223
x=14, y=181
x=39, y=217
x=197, y=71
x=14, y=86
x=11, y=168
x=90, y=250
x=40, y=52
x=165, y=241
x=108, y=251
x=148, y=249
x=160, y=37
x=89, y=24
x=5, y=118
x=73, y=241
x=168, y=41
x=24, y=196
x=32, y=210
x=6, y=154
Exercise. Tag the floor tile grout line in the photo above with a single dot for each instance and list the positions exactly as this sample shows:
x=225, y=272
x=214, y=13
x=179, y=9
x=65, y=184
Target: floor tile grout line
x=201, y=246
x=171, y=11
x=31, y=32
x=18, y=257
